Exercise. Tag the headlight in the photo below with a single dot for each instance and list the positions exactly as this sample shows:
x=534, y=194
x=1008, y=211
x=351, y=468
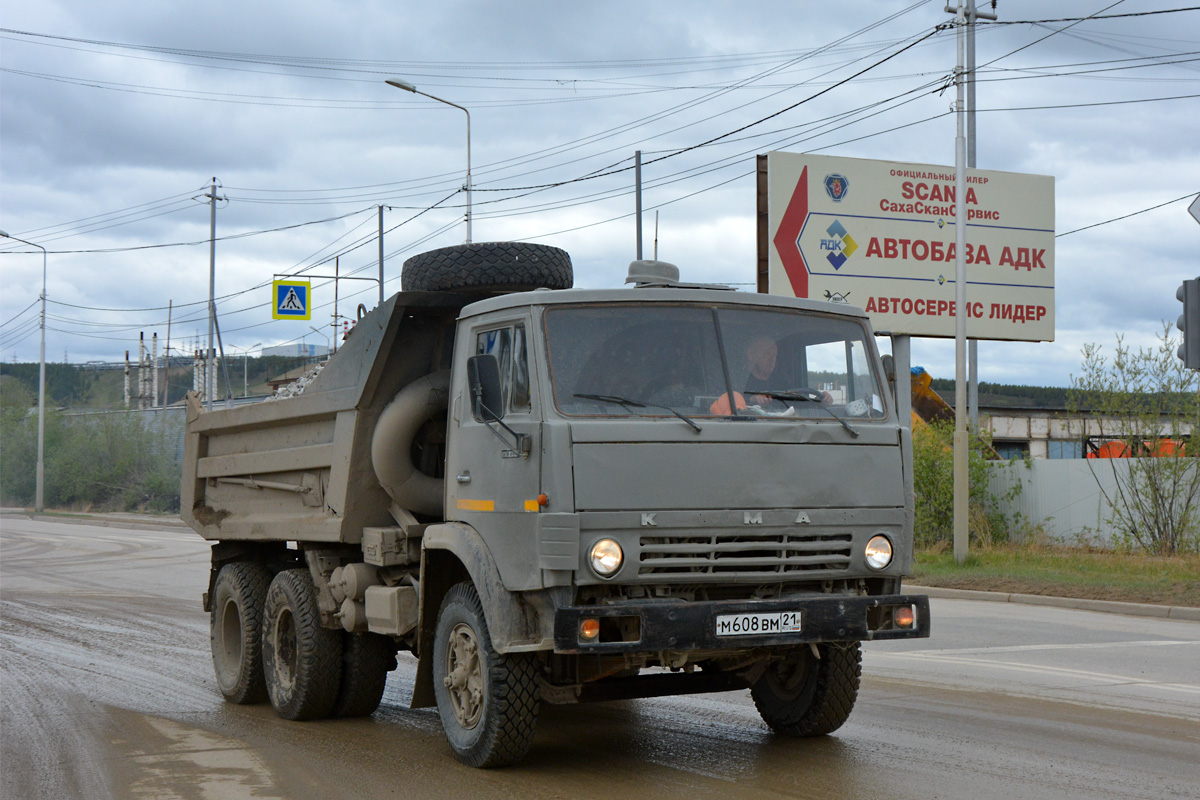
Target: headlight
x=879, y=552
x=606, y=558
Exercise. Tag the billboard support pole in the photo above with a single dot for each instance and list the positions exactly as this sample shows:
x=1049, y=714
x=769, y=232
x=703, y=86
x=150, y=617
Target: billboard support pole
x=961, y=483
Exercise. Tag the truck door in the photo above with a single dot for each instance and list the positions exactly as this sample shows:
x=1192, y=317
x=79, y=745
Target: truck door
x=492, y=480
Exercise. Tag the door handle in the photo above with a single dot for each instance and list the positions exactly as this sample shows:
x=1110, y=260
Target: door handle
x=463, y=477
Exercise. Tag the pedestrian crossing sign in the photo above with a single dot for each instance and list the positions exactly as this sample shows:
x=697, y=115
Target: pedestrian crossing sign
x=292, y=300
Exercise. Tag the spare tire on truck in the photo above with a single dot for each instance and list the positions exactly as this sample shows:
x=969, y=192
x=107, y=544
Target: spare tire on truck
x=488, y=267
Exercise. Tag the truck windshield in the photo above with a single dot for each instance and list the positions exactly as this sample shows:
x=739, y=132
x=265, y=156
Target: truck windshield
x=691, y=359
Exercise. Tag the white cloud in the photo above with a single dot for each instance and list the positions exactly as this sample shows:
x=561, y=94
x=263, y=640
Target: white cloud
x=555, y=93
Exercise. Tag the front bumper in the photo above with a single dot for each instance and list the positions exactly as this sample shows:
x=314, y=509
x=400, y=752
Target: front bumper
x=683, y=626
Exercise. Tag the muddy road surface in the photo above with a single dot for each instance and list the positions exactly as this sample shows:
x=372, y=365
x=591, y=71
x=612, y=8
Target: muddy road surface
x=106, y=690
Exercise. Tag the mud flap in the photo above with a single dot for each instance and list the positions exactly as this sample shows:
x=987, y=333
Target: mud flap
x=517, y=621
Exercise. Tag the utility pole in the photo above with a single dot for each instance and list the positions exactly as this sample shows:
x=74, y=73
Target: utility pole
x=637, y=179
x=964, y=21
x=973, y=14
x=210, y=367
x=380, y=255
x=167, y=373
x=961, y=483
x=40, y=480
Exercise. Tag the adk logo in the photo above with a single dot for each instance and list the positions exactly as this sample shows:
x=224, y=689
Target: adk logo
x=840, y=245
x=836, y=186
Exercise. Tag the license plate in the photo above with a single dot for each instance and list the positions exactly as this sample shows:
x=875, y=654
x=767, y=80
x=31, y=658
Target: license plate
x=758, y=624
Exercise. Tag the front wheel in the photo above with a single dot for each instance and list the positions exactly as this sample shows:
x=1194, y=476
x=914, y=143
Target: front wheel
x=488, y=702
x=803, y=695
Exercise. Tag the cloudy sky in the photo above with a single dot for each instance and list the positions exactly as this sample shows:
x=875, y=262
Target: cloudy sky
x=115, y=116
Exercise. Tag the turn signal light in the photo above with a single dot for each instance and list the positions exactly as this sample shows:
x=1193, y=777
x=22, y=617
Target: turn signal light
x=589, y=629
x=904, y=617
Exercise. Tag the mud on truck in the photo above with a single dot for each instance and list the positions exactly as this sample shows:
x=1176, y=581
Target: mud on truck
x=557, y=495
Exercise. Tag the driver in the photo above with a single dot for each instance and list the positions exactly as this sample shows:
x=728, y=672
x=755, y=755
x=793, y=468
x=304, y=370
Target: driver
x=761, y=354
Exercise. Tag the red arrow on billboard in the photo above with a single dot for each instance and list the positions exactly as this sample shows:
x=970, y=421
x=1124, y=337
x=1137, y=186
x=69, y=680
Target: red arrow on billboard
x=788, y=234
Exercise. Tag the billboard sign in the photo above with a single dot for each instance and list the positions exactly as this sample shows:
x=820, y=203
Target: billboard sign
x=881, y=235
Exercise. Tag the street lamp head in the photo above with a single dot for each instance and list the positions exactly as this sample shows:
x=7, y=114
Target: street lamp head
x=5, y=234
x=400, y=83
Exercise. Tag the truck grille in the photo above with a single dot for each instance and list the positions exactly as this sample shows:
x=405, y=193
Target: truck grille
x=740, y=554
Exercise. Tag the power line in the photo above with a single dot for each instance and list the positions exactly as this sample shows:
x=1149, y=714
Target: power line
x=1089, y=105
x=230, y=237
x=1089, y=18
x=1126, y=216
x=16, y=316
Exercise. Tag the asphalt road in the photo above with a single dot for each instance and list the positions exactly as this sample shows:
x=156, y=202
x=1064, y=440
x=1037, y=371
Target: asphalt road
x=106, y=690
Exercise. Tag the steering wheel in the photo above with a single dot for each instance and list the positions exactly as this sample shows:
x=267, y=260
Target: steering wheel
x=815, y=395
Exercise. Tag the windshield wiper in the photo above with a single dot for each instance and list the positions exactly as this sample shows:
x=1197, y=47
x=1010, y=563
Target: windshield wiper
x=627, y=403
x=810, y=399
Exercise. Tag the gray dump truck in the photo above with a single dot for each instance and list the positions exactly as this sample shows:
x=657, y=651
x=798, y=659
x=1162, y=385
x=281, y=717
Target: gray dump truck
x=556, y=495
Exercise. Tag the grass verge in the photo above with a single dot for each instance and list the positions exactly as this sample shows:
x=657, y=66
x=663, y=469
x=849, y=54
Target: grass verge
x=1065, y=572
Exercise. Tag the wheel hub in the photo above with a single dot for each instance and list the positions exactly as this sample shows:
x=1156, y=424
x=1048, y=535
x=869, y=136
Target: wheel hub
x=285, y=648
x=231, y=632
x=788, y=678
x=464, y=676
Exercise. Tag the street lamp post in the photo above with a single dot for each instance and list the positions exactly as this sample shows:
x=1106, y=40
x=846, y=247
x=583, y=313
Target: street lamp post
x=246, y=369
x=325, y=336
x=39, y=496
x=400, y=83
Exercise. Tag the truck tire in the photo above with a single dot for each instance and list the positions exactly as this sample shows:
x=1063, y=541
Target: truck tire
x=806, y=696
x=235, y=629
x=488, y=702
x=488, y=267
x=302, y=662
x=366, y=660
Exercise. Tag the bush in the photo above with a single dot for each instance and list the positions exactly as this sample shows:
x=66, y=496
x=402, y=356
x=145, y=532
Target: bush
x=933, y=484
x=1147, y=403
x=113, y=462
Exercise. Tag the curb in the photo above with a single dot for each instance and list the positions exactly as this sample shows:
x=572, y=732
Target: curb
x=110, y=520
x=1103, y=606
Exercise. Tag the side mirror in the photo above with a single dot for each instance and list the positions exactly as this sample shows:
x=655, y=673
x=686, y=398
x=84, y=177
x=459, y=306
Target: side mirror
x=889, y=369
x=483, y=380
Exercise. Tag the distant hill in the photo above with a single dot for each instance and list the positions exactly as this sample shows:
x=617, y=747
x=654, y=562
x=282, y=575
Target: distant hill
x=1001, y=395
x=85, y=386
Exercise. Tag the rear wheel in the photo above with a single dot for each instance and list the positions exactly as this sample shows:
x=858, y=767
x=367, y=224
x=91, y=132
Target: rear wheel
x=302, y=662
x=488, y=702
x=235, y=629
x=366, y=660
x=806, y=696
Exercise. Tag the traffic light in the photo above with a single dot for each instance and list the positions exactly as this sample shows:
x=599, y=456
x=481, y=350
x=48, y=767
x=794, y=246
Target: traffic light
x=1189, y=323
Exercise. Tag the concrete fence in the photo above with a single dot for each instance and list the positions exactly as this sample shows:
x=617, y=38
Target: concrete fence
x=1063, y=495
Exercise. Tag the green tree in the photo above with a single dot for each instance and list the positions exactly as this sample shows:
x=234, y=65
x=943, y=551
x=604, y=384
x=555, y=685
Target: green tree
x=1148, y=403
x=933, y=485
x=111, y=461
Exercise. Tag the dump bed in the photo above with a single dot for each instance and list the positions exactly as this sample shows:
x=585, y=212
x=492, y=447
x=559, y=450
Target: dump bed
x=299, y=468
